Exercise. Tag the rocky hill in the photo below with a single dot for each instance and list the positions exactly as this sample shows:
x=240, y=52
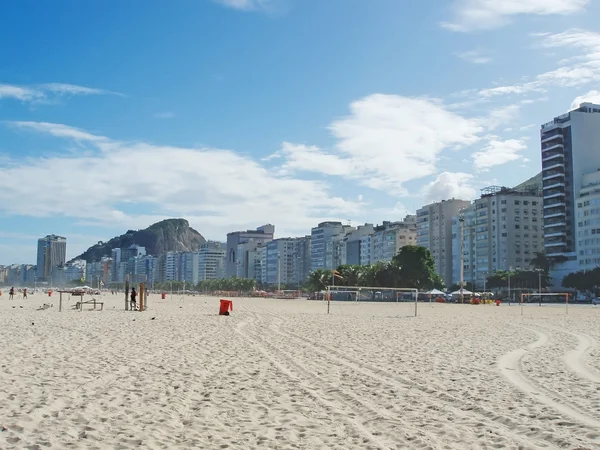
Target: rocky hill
x=166, y=236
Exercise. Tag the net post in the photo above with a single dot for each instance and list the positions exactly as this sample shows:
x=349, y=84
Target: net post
x=416, y=302
x=522, y=303
x=567, y=303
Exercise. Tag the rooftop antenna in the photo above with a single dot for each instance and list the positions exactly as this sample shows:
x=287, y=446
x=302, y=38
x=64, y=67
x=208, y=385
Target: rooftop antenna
x=349, y=222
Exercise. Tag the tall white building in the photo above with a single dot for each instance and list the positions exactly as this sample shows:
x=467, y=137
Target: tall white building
x=570, y=146
x=587, y=212
x=501, y=230
x=434, y=232
x=326, y=245
x=211, y=260
x=390, y=237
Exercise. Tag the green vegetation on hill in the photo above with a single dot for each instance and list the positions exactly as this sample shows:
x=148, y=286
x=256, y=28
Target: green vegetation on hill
x=165, y=236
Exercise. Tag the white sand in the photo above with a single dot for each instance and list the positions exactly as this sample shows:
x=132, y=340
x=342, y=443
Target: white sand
x=280, y=374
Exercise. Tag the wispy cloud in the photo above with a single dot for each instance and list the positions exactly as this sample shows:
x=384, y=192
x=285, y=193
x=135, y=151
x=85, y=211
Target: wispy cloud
x=164, y=115
x=44, y=92
x=582, y=68
x=471, y=15
x=57, y=130
x=474, y=57
x=247, y=5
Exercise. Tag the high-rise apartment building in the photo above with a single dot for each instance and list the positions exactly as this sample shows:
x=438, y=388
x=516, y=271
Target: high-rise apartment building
x=326, y=245
x=587, y=213
x=434, y=232
x=262, y=235
x=211, y=262
x=502, y=230
x=351, y=250
x=390, y=237
x=51, y=252
x=570, y=147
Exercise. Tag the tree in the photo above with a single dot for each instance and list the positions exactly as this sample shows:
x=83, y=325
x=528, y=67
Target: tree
x=541, y=262
x=417, y=268
x=318, y=280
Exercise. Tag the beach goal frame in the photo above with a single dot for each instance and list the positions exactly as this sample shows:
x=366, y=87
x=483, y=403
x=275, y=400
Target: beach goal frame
x=357, y=289
x=545, y=294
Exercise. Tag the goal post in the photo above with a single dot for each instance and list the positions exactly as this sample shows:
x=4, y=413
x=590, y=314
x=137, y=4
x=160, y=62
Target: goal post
x=545, y=294
x=374, y=293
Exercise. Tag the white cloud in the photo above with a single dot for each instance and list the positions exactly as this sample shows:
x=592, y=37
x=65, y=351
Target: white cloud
x=502, y=116
x=385, y=141
x=247, y=5
x=42, y=92
x=590, y=97
x=450, y=185
x=474, y=57
x=498, y=152
x=57, y=130
x=473, y=15
x=18, y=92
x=164, y=115
x=217, y=190
x=579, y=70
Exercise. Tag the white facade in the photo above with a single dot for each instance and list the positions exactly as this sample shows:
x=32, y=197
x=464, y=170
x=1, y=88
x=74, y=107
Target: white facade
x=502, y=230
x=261, y=235
x=570, y=147
x=587, y=212
x=351, y=248
x=434, y=232
x=389, y=238
x=211, y=260
x=326, y=245
x=365, y=250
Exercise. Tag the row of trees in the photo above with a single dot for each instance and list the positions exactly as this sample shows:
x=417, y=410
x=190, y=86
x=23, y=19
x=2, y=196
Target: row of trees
x=586, y=281
x=221, y=284
x=412, y=267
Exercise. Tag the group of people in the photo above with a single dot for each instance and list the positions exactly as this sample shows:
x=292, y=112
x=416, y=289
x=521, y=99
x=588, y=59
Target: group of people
x=11, y=293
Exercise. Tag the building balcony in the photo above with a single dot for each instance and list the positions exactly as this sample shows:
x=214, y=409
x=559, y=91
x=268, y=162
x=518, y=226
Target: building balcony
x=554, y=164
x=554, y=144
x=554, y=244
x=552, y=214
x=553, y=175
x=559, y=204
x=554, y=234
x=551, y=156
x=552, y=135
x=559, y=188
x=558, y=223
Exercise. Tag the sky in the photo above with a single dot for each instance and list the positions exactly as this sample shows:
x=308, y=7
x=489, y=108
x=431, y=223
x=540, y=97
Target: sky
x=236, y=113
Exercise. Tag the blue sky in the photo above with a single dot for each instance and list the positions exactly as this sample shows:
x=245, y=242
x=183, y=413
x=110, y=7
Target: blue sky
x=235, y=113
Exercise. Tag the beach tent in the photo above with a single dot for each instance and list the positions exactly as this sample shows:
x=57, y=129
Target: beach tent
x=435, y=292
x=464, y=291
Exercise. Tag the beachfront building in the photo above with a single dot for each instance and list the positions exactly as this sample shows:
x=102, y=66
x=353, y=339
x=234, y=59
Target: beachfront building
x=301, y=259
x=587, y=213
x=326, y=244
x=365, y=250
x=4, y=274
x=71, y=272
x=280, y=262
x=99, y=271
x=434, y=232
x=501, y=230
x=351, y=247
x=51, y=252
x=570, y=146
x=390, y=237
x=20, y=275
x=261, y=235
x=211, y=260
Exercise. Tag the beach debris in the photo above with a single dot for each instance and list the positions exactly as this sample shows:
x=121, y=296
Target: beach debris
x=153, y=318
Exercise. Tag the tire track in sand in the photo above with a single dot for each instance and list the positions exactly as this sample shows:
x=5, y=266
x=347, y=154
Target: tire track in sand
x=575, y=358
x=295, y=375
x=509, y=365
x=488, y=417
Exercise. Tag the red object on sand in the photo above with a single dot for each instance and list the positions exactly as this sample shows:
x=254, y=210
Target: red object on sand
x=49, y=293
x=225, y=307
x=163, y=295
x=498, y=302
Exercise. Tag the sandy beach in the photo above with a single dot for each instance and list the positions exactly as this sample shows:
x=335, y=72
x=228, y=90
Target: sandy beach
x=281, y=374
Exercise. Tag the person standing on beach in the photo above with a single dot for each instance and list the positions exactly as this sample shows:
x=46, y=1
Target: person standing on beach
x=24, y=293
x=133, y=296
x=11, y=293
